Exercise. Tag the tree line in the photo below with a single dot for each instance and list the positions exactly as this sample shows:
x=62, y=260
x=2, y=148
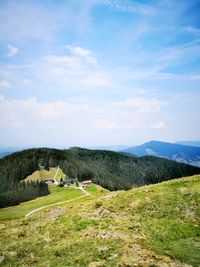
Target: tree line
x=23, y=192
x=109, y=169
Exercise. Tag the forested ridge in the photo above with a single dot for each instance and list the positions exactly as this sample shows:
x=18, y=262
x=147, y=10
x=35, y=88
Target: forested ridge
x=109, y=169
x=115, y=171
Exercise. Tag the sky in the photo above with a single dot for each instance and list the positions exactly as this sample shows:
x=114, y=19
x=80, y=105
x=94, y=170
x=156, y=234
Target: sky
x=99, y=72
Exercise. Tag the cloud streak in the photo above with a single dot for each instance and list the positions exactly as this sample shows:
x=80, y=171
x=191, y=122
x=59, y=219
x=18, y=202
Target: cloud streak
x=129, y=6
x=71, y=117
x=109, y=70
x=4, y=84
x=12, y=51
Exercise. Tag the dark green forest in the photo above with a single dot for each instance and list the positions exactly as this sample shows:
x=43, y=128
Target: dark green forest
x=23, y=192
x=109, y=169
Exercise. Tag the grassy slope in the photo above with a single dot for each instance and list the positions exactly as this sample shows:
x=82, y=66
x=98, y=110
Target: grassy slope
x=57, y=194
x=44, y=174
x=140, y=227
x=167, y=216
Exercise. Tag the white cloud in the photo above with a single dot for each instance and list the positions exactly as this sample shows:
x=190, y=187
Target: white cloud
x=192, y=30
x=61, y=122
x=179, y=54
x=4, y=84
x=129, y=124
x=158, y=125
x=105, y=124
x=129, y=6
x=135, y=113
x=18, y=124
x=195, y=77
x=79, y=51
x=147, y=65
x=83, y=53
x=95, y=80
x=142, y=104
x=28, y=20
x=12, y=51
x=63, y=62
x=17, y=113
x=66, y=71
x=2, y=98
x=78, y=69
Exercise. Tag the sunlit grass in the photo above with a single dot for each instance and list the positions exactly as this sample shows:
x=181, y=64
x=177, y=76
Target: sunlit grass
x=44, y=174
x=154, y=225
x=57, y=194
x=166, y=216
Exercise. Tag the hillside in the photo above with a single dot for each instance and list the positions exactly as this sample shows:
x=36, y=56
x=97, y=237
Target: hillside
x=155, y=225
x=109, y=169
x=4, y=151
x=180, y=153
x=3, y=154
x=41, y=175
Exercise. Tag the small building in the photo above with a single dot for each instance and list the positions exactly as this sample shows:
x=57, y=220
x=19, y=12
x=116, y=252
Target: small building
x=86, y=183
x=67, y=183
x=49, y=181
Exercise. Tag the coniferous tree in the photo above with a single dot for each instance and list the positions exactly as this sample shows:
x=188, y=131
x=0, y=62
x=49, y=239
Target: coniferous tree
x=109, y=169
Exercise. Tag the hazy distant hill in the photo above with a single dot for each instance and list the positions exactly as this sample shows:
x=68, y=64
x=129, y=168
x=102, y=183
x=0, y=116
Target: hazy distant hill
x=189, y=143
x=4, y=151
x=181, y=153
x=3, y=154
x=110, y=148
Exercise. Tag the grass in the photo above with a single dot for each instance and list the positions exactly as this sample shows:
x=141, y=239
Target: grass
x=166, y=215
x=155, y=225
x=44, y=174
x=57, y=194
x=96, y=190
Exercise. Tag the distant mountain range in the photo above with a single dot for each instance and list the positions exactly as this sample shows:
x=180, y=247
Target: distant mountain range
x=3, y=154
x=8, y=150
x=110, y=148
x=181, y=153
x=189, y=143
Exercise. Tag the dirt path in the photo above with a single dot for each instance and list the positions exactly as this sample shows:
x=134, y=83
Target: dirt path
x=54, y=178
x=58, y=203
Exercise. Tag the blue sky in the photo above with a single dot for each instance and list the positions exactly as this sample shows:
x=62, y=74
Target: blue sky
x=99, y=72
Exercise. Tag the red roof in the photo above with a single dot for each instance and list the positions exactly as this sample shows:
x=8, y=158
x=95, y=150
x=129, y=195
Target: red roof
x=87, y=182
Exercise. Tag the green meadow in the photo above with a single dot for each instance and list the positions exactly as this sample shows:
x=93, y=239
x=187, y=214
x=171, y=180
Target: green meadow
x=44, y=174
x=57, y=194
x=155, y=225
